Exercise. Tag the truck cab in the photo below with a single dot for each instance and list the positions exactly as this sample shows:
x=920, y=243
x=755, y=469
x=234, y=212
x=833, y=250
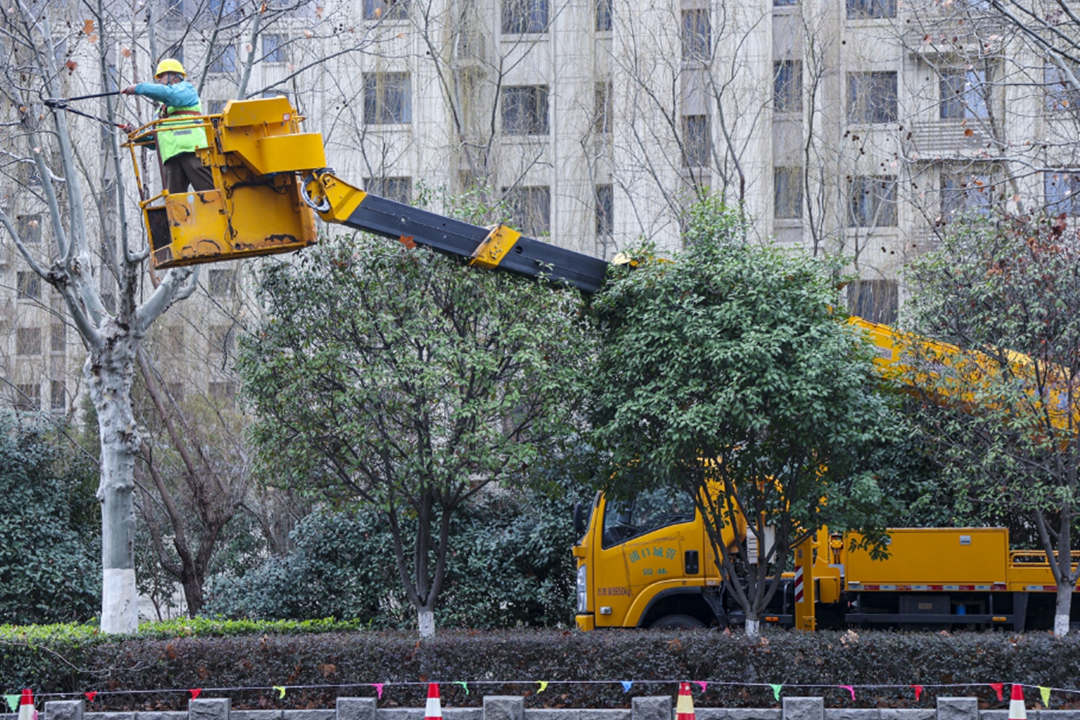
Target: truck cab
x=646, y=562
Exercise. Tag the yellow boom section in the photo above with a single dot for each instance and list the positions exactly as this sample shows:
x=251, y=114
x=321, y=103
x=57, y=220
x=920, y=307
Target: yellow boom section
x=1043, y=385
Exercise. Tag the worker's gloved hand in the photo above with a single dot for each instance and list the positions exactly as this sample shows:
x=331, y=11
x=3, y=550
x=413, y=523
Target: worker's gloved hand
x=128, y=128
x=129, y=90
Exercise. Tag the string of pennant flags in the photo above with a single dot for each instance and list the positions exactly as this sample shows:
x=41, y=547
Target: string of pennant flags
x=16, y=701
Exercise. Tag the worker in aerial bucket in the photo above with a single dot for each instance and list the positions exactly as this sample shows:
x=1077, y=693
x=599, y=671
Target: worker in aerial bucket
x=177, y=147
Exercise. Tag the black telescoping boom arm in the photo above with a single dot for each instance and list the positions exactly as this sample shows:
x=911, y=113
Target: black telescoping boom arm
x=500, y=247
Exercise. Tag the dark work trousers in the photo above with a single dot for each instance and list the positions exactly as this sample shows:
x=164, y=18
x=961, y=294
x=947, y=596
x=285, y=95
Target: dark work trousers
x=184, y=169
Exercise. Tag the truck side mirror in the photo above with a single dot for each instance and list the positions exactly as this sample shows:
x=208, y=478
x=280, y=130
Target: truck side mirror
x=581, y=518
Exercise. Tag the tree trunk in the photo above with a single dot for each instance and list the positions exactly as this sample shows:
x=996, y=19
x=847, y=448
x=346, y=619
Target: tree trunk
x=193, y=593
x=753, y=627
x=425, y=621
x=109, y=372
x=1061, y=611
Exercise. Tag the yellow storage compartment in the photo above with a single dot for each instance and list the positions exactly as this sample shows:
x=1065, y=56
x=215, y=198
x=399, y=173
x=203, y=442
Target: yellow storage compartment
x=933, y=556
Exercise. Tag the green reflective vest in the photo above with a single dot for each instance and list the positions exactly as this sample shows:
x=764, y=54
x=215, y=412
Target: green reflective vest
x=173, y=142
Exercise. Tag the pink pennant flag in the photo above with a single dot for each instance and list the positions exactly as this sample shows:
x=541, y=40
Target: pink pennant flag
x=918, y=691
x=378, y=689
x=850, y=689
x=195, y=692
x=702, y=684
x=90, y=695
x=998, y=687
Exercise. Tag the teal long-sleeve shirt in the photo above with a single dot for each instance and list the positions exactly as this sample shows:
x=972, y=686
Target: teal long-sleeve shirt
x=171, y=142
x=181, y=94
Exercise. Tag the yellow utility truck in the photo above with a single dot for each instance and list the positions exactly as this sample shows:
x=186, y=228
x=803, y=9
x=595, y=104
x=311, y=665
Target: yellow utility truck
x=647, y=563
x=640, y=564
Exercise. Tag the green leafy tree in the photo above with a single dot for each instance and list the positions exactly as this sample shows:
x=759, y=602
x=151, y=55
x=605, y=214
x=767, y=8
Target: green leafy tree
x=48, y=544
x=728, y=373
x=996, y=287
x=407, y=382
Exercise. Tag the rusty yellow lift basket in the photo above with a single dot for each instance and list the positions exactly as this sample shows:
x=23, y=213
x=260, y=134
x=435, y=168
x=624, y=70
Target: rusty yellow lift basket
x=256, y=153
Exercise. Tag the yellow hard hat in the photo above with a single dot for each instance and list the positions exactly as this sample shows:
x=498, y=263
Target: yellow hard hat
x=169, y=65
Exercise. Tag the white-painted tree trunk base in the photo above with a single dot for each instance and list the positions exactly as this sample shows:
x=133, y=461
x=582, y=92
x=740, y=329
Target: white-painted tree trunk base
x=425, y=620
x=1061, y=625
x=119, y=609
x=753, y=628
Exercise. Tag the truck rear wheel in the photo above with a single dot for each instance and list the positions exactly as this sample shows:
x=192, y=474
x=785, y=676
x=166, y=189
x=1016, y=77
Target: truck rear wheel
x=677, y=622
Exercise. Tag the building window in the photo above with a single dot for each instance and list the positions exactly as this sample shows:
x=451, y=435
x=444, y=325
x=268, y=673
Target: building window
x=863, y=9
x=696, y=36
x=387, y=98
x=58, y=337
x=175, y=390
x=173, y=340
x=603, y=15
x=1061, y=93
x=530, y=209
x=605, y=211
x=871, y=97
x=273, y=48
x=28, y=341
x=872, y=201
x=787, y=86
x=222, y=391
x=174, y=16
x=524, y=16
x=964, y=94
x=525, y=110
x=697, y=144
x=222, y=59
x=874, y=300
x=963, y=193
x=785, y=3
x=29, y=228
x=222, y=8
x=28, y=397
x=602, y=107
x=1062, y=189
x=787, y=193
x=221, y=283
x=221, y=338
x=398, y=189
x=56, y=395
x=176, y=52
x=386, y=9
x=28, y=284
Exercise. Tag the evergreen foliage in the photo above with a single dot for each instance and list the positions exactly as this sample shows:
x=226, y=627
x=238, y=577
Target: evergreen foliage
x=50, y=531
x=400, y=381
x=729, y=374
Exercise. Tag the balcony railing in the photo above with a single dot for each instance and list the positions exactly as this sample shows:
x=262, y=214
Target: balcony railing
x=943, y=139
x=961, y=28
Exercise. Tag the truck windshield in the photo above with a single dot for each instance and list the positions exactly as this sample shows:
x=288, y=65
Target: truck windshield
x=649, y=510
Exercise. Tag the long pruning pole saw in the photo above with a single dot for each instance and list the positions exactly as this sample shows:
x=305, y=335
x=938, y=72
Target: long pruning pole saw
x=62, y=104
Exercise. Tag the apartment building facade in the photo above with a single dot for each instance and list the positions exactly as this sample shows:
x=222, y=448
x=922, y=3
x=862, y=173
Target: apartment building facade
x=851, y=127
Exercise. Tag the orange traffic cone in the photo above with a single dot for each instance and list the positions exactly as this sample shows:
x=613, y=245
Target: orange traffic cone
x=433, y=710
x=1017, y=711
x=26, y=706
x=684, y=706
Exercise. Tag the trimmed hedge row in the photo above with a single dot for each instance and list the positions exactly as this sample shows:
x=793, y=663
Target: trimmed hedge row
x=737, y=669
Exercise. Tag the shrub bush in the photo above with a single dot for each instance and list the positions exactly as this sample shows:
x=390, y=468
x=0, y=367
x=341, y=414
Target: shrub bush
x=510, y=565
x=49, y=533
x=881, y=666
